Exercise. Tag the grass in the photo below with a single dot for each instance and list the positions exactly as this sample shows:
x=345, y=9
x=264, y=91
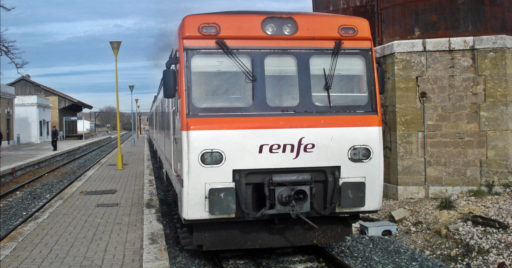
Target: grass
x=446, y=203
x=478, y=193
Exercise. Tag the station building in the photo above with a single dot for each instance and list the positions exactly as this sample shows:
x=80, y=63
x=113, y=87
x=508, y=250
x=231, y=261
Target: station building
x=7, y=114
x=32, y=119
x=61, y=105
x=459, y=55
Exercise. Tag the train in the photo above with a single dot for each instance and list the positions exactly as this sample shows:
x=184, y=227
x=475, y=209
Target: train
x=268, y=128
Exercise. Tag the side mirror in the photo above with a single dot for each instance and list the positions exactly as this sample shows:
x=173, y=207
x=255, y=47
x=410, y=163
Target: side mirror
x=169, y=82
x=381, y=76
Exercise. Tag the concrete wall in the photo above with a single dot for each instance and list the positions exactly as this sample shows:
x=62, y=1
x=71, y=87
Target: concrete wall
x=7, y=114
x=54, y=103
x=32, y=112
x=468, y=113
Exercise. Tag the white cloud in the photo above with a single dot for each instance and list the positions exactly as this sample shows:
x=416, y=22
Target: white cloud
x=46, y=30
x=64, y=30
x=86, y=68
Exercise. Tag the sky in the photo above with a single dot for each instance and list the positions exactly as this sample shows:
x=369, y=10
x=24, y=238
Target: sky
x=66, y=42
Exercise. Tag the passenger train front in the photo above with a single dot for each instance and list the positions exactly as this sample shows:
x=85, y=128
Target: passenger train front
x=268, y=126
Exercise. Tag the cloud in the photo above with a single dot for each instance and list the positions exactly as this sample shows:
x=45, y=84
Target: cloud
x=70, y=69
x=65, y=30
x=66, y=42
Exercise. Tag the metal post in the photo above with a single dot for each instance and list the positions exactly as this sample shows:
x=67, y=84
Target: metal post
x=119, y=163
x=131, y=103
x=138, y=120
x=136, y=116
x=83, y=128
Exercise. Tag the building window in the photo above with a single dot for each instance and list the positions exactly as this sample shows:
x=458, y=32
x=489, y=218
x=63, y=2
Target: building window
x=41, y=128
x=47, y=128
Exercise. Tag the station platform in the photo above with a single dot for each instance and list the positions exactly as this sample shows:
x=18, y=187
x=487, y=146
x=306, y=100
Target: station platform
x=116, y=226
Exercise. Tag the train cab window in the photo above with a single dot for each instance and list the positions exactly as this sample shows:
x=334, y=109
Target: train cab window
x=281, y=81
x=349, y=86
x=218, y=82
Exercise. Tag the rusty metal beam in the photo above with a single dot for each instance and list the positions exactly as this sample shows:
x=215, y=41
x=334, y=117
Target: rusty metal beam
x=412, y=19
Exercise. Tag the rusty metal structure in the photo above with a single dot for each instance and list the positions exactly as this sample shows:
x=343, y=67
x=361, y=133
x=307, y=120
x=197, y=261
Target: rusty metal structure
x=415, y=19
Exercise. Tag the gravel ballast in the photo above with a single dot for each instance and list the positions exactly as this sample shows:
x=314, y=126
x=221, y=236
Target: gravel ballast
x=373, y=251
x=357, y=251
x=449, y=235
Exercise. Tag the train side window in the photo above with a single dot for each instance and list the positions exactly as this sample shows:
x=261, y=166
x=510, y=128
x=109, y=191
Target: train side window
x=281, y=81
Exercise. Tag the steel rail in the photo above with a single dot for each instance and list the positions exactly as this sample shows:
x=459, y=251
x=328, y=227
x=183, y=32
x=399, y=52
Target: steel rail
x=330, y=259
x=15, y=188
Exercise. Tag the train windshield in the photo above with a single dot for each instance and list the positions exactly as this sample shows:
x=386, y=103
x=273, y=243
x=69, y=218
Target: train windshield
x=279, y=82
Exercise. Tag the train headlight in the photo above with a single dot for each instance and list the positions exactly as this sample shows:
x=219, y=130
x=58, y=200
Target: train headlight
x=359, y=154
x=209, y=29
x=347, y=30
x=211, y=158
x=279, y=26
x=269, y=28
x=289, y=28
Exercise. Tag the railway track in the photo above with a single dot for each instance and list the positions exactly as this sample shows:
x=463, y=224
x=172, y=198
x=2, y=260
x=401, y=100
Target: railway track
x=356, y=251
x=311, y=256
x=24, y=196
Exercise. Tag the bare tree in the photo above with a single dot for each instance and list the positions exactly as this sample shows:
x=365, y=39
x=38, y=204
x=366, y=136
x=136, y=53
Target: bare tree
x=107, y=115
x=8, y=47
x=125, y=120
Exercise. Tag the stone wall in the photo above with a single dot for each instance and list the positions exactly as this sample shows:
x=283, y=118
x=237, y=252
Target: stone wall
x=468, y=114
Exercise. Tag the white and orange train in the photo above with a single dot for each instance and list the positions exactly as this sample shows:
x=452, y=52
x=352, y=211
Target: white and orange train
x=268, y=126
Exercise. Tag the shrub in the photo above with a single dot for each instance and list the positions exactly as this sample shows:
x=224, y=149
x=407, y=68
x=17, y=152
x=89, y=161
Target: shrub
x=446, y=203
x=490, y=186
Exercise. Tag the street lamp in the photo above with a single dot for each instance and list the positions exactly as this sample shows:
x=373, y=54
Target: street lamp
x=119, y=163
x=136, y=118
x=131, y=103
x=140, y=123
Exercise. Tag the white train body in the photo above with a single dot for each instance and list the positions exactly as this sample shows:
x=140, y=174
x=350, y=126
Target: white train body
x=244, y=163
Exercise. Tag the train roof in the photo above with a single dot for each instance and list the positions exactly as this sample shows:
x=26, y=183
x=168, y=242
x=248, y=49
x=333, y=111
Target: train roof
x=248, y=25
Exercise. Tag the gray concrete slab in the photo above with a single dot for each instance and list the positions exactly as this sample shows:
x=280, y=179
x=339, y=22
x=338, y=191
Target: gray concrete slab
x=155, y=249
x=76, y=232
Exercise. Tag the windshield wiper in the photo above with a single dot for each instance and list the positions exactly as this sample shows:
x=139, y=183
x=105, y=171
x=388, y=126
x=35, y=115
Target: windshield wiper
x=329, y=78
x=236, y=60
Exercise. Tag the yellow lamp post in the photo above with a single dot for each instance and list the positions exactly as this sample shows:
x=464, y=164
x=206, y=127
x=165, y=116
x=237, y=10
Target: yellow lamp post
x=115, y=48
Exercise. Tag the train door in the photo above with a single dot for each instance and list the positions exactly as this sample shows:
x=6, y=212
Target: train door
x=168, y=131
x=176, y=138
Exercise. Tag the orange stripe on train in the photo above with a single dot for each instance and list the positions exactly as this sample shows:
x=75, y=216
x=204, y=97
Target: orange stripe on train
x=281, y=122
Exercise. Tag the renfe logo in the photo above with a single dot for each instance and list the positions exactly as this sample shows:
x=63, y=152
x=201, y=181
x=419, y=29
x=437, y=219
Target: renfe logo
x=288, y=147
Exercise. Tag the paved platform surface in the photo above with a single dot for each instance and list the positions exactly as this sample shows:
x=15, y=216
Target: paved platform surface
x=18, y=154
x=104, y=230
